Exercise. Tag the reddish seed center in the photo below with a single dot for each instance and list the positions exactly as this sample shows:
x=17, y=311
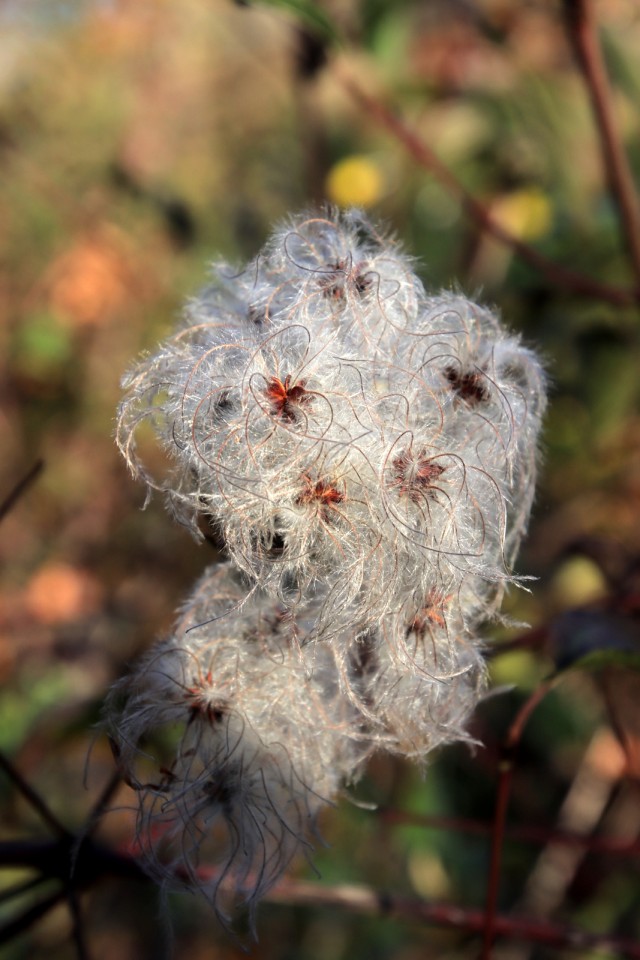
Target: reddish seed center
x=285, y=397
x=431, y=613
x=415, y=477
x=323, y=494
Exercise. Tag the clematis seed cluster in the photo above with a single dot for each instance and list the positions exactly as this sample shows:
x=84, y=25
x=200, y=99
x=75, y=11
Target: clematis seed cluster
x=365, y=453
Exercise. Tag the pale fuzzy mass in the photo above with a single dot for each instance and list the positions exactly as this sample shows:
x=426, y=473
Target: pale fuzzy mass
x=366, y=451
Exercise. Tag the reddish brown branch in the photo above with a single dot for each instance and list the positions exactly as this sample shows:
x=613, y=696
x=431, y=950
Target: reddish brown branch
x=376, y=903
x=520, y=833
x=52, y=859
x=557, y=275
x=583, y=33
x=505, y=778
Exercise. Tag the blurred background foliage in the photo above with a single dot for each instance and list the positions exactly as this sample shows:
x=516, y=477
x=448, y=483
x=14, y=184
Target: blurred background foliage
x=139, y=139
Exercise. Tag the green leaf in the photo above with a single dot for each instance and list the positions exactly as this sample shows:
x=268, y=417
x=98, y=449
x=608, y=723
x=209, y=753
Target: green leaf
x=42, y=343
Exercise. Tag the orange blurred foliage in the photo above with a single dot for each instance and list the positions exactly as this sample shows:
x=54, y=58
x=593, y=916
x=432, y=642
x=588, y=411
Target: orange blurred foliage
x=59, y=593
x=93, y=280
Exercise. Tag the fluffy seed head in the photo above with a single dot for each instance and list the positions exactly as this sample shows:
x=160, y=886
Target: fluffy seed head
x=235, y=734
x=339, y=425
x=367, y=452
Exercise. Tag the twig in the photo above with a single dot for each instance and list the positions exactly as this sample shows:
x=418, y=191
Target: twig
x=93, y=820
x=103, y=801
x=52, y=859
x=557, y=275
x=32, y=797
x=583, y=33
x=522, y=833
x=505, y=778
x=377, y=903
x=22, y=485
x=581, y=810
x=78, y=924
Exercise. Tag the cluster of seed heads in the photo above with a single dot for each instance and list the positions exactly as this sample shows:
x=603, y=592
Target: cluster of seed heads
x=365, y=452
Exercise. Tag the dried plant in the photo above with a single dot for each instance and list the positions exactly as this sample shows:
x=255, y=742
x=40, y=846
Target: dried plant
x=367, y=452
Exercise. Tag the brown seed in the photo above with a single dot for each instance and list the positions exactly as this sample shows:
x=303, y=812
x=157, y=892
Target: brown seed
x=470, y=386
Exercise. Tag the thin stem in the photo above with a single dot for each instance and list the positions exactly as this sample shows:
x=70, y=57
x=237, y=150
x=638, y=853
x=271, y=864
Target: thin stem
x=583, y=33
x=505, y=777
x=78, y=924
x=93, y=819
x=523, y=833
x=22, y=485
x=103, y=800
x=377, y=903
x=557, y=275
x=53, y=857
x=32, y=797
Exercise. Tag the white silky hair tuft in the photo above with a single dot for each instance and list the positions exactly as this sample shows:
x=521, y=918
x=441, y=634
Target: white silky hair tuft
x=366, y=450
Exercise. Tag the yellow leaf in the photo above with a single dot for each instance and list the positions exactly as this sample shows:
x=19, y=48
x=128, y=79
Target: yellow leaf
x=355, y=181
x=526, y=213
